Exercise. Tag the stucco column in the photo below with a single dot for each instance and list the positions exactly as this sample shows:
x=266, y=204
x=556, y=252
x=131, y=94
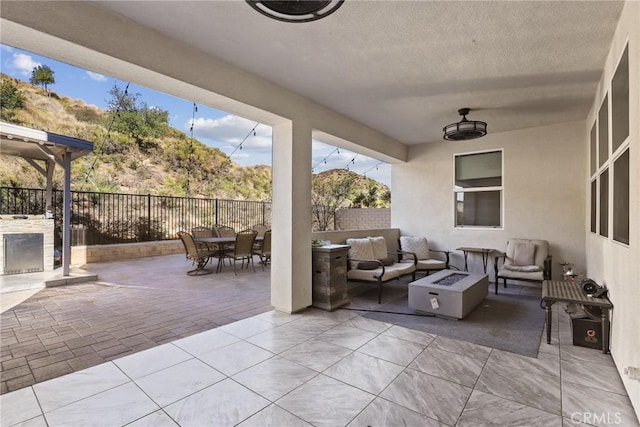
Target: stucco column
x=291, y=217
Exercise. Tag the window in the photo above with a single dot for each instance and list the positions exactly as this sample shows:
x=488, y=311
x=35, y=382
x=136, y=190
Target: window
x=478, y=189
x=593, y=141
x=621, y=198
x=594, y=206
x=604, y=203
x=603, y=132
x=620, y=102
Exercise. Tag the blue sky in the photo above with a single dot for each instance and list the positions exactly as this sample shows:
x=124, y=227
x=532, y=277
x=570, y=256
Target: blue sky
x=211, y=127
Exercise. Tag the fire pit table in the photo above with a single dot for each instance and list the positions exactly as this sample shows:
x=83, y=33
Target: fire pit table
x=448, y=293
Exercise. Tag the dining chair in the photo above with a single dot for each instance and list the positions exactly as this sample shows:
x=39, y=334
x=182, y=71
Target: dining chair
x=224, y=231
x=201, y=231
x=243, y=249
x=198, y=254
x=264, y=249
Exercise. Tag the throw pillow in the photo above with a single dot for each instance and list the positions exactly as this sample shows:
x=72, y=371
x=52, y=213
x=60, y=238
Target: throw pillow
x=387, y=261
x=368, y=265
x=359, y=250
x=524, y=254
x=379, y=246
x=417, y=245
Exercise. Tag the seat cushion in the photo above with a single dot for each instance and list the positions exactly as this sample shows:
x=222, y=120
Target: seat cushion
x=522, y=268
x=521, y=275
x=417, y=245
x=430, y=264
x=360, y=250
x=402, y=268
x=372, y=275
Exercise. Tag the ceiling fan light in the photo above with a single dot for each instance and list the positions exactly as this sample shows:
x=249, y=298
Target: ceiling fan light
x=465, y=129
x=296, y=11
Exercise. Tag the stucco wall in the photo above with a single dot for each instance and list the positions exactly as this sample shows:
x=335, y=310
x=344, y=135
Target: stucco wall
x=609, y=262
x=544, y=193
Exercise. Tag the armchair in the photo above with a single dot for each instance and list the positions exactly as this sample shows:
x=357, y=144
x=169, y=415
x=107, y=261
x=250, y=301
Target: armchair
x=525, y=259
x=419, y=246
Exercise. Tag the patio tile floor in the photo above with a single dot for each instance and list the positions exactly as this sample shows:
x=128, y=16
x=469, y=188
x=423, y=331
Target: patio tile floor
x=273, y=368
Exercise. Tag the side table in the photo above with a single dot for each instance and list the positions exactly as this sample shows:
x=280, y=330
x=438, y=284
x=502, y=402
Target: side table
x=557, y=290
x=329, y=277
x=484, y=251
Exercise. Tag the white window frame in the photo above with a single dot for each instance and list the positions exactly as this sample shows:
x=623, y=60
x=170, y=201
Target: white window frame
x=499, y=188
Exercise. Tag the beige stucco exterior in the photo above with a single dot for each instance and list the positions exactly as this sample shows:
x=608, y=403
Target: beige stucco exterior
x=607, y=261
x=546, y=192
x=546, y=196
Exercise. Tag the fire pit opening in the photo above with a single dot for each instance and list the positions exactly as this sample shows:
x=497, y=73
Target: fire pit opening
x=450, y=279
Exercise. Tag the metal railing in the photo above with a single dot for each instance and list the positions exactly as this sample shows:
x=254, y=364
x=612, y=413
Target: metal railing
x=104, y=218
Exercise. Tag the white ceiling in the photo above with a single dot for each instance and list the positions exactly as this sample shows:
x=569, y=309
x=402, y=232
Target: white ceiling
x=405, y=67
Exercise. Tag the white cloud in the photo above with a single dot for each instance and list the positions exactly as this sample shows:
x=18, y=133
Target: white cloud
x=96, y=76
x=229, y=131
x=23, y=63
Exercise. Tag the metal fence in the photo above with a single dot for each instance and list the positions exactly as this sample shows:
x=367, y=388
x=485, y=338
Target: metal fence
x=104, y=218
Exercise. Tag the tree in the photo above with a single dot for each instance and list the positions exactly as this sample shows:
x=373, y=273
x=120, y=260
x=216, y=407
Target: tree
x=329, y=192
x=128, y=115
x=11, y=99
x=42, y=75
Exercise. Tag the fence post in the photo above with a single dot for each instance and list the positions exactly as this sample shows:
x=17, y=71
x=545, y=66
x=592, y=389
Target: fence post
x=216, y=213
x=148, y=217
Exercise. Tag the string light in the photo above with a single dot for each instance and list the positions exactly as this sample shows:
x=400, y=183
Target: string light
x=351, y=162
x=193, y=120
x=108, y=135
x=372, y=168
x=239, y=147
x=337, y=150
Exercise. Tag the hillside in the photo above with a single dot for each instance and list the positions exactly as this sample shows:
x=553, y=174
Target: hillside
x=169, y=163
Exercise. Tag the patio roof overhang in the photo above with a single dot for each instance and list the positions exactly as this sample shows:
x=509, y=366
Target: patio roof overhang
x=51, y=148
x=36, y=144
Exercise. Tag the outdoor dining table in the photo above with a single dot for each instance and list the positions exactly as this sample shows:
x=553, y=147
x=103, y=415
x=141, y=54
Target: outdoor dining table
x=222, y=243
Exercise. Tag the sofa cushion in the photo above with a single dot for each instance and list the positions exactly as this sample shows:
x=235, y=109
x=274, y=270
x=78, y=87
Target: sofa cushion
x=402, y=268
x=417, y=245
x=379, y=246
x=360, y=250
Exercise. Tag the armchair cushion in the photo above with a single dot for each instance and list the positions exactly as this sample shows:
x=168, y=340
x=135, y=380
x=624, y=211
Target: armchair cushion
x=523, y=254
x=417, y=245
x=360, y=250
x=540, y=255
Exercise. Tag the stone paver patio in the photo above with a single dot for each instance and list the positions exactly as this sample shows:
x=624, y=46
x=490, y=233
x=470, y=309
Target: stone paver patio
x=135, y=305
